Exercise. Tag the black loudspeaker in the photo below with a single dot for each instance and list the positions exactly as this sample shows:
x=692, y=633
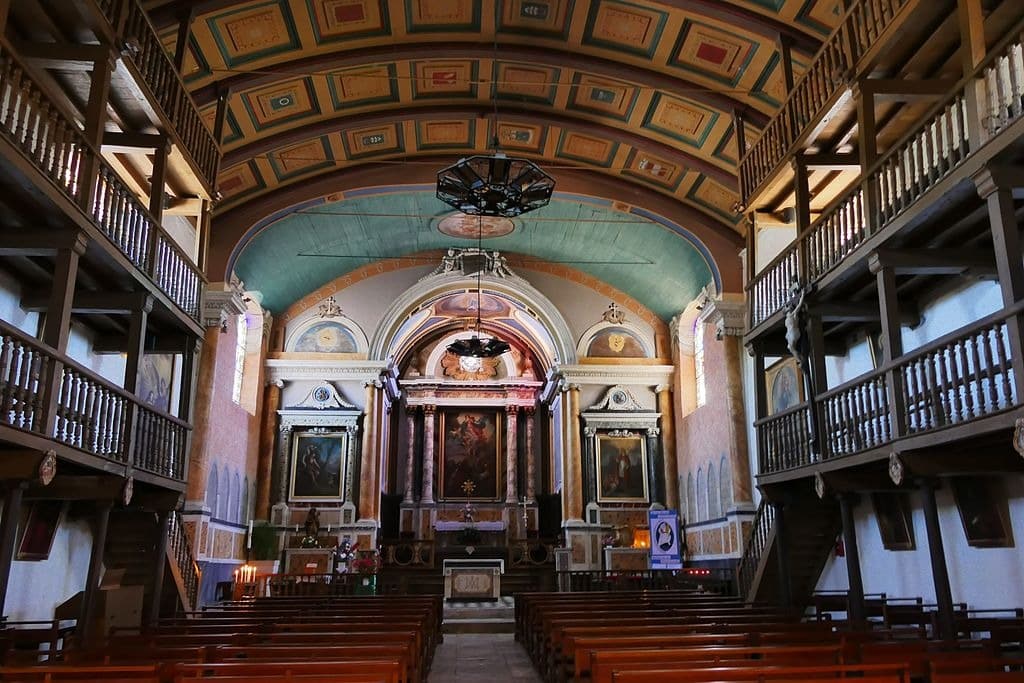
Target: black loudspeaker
x=390, y=504
x=549, y=509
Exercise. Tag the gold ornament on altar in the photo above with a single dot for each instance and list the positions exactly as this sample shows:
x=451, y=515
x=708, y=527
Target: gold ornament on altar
x=468, y=367
x=616, y=342
x=468, y=487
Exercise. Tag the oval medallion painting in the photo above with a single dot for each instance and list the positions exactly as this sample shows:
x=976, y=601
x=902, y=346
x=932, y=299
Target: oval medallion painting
x=468, y=227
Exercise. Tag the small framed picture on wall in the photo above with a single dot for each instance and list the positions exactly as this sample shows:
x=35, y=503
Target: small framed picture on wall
x=984, y=512
x=895, y=523
x=784, y=385
x=37, y=532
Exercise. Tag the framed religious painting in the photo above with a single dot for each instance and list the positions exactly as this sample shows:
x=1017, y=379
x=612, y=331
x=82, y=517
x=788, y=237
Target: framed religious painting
x=470, y=457
x=984, y=512
x=39, y=528
x=318, y=466
x=895, y=523
x=621, y=468
x=784, y=385
x=156, y=380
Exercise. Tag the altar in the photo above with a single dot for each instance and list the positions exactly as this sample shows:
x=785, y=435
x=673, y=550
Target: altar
x=473, y=579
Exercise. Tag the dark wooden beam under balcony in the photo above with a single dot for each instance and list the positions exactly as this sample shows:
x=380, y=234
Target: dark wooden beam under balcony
x=93, y=303
x=906, y=90
x=40, y=242
x=163, y=343
x=132, y=143
x=833, y=312
x=934, y=261
x=833, y=161
x=20, y=464
x=79, y=487
x=63, y=56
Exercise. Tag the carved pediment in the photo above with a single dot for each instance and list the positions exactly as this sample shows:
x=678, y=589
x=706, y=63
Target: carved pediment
x=324, y=397
x=616, y=399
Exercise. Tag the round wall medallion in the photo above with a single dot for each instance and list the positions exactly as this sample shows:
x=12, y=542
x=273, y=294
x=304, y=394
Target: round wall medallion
x=896, y=469
x=48, y=468
x=321, y=394
x=469, y=227
x=819, y=485
x=128, y=490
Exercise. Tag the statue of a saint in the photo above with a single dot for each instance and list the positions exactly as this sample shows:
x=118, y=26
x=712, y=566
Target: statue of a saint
x=312, y=527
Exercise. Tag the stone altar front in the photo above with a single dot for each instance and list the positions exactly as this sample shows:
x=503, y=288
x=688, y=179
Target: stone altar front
x=473, y=579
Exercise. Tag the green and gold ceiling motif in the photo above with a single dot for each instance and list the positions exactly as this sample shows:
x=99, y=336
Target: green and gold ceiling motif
x=643, y=92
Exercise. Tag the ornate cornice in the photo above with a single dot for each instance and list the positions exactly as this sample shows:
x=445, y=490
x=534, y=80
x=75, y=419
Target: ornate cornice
x=631, y=375
x=728, y=316
x=221, y=300
x=287, y=370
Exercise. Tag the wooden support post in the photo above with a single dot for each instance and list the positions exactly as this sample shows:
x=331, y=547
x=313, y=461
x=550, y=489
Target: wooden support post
x=95, y=121
x=159, y=565
x=802, y=195
x=940, y=574
x=9, y=536
x=784, y=44
x=996, y=185
x=892, y=341
x=185, y=19
x=782, y=556
x=157, y=183
x=58, y=311
x=573, y=487
x=5, y=9
x=817, y=384
x=136, y=342
x=92, y=579
x=867, y=148
x=856, y=612
x=971, y=20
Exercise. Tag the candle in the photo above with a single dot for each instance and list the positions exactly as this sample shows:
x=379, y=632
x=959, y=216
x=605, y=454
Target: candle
x=248, y=537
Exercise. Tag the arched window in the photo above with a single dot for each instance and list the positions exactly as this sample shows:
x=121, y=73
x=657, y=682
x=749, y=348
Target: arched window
x=236, y=495
x=702, y=497
x=211, y=490
x=241, y=332
x=691, y=499
x=223, y=496
x=698, y=362
x=714, y=504
x=725, y=485
x=243, y=508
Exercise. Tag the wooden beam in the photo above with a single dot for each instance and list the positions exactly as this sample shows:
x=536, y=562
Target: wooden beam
x=164, y=343
x=40, y=242
x=62, y=56
x=133, y=143
x=834, y=161
x=92, y=302
x=933, y=261
x=158, y=500
x=184, y=206
x=79, y=487
x=20, y=464
x=908, y=90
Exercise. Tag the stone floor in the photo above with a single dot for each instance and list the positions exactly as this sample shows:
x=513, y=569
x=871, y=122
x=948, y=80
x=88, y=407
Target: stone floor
x=481, y=658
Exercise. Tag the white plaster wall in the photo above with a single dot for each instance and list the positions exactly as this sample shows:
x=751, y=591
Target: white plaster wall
x=984, y=578
x=10, y=311
x=36, y=588
x=771, y=240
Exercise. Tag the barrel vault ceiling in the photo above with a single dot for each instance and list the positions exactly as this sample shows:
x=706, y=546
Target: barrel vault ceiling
x=641, y=92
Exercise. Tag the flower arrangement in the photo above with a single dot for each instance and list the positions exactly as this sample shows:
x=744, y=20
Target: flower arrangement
x=609, y=541
x=367, y=564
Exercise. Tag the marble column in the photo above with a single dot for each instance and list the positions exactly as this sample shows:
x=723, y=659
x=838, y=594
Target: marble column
x=655, y=477
x=511, y=454
x=410, y=449
x=531, y=465
x=573, y=487
x=284, y=443
x=589, y=465
x=265, y=455
x=369, y=487
x=429, y=417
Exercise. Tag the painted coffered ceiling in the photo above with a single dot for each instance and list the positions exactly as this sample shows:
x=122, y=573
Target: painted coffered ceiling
x=641, y=92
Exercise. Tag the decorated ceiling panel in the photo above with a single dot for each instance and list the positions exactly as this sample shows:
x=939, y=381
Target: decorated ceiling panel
x=644, y=91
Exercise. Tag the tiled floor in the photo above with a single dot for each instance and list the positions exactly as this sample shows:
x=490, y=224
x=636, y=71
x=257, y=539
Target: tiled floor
x=481, y=658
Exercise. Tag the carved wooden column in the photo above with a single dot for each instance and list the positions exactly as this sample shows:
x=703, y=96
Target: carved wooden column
x=159, y=563
x=429, y=417
x=589, y=465
x=410, y=451
x=573, y=486
x=511, y=454
x=937, y=554
x=855, y=611
x=531, y=465
x=92, y=580
x=265, y=455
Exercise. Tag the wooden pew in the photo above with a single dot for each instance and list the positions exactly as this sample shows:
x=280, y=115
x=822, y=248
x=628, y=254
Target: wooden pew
x=107, y=674
x=332, y=653
x=759, y=673
x=387, y=670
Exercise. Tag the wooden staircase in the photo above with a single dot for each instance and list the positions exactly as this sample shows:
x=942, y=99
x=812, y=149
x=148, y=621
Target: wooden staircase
x=813, y=525
x=131, y=546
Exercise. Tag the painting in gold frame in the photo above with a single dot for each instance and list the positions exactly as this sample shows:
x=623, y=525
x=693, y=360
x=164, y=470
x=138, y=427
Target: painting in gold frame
x=318, y=467
x=784, y=385
x=621, y=468
x=471, y=448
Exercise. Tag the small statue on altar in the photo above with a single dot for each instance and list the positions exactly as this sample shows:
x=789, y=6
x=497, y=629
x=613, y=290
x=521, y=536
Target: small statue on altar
x=312, y=526
x=344, y=553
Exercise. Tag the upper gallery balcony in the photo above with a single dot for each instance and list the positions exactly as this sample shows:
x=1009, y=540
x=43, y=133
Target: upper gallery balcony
x=893, y=203
x=147, y=95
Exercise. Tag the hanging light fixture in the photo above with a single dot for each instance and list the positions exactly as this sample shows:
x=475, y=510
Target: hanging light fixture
x=477, y=346
x=496, y=184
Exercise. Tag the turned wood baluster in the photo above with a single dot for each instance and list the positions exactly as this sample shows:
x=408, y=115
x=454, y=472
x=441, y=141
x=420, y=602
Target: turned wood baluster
x=1007, y=390
x=990, y=370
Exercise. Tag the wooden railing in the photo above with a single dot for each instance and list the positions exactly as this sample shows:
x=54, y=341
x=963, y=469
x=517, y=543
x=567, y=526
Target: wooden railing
x=48, y=394
x=181, y=554
x=757, y=542
x=828, y=74
x=961, y=377
x=929, y=152
x=52, y=140
x=599, y=581
x=784, y=439
x=146, y=53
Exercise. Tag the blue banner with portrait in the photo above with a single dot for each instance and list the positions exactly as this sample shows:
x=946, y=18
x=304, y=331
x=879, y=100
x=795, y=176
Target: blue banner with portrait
x=665, y=541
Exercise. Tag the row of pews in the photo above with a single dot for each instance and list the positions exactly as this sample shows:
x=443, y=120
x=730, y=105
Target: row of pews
x=322, y=639
x=686, y=637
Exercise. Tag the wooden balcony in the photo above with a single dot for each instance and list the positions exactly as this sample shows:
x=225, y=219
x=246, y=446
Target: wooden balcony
x=896, y=195
x=49, y=401
x=846, y=53
x=964, y=379
x=48, y=148
x=125, y=24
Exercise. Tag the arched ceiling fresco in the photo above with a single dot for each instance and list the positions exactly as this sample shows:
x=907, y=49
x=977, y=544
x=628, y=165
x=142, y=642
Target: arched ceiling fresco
x=660, y=264
x=644, y=93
